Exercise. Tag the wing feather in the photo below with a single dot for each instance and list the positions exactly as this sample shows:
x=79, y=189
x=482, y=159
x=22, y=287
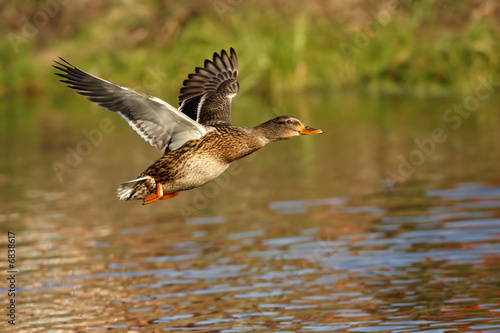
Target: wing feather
x=156, y=121
x=206, y=95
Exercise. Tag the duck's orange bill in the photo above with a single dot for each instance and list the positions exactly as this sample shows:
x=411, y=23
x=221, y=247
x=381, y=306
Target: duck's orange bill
x=306, y=130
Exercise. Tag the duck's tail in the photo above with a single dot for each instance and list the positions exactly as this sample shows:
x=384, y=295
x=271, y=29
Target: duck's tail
x=136, y=189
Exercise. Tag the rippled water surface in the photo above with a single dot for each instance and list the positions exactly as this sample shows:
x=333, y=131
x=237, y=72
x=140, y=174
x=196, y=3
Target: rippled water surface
x=374, y=226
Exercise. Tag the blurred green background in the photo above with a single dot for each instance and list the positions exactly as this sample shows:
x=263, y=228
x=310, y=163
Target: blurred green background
x=413, y=47
x=374, y=75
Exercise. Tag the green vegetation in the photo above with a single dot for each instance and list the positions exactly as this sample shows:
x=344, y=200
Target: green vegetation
x=413, y=47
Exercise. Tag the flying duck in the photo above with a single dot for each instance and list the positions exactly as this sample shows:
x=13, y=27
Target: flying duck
x=197, y=140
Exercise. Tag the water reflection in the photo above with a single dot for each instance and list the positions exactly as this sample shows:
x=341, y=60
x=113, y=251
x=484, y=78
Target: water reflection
x=289, y=243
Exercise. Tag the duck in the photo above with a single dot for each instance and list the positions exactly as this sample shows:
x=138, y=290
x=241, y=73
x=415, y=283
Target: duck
x=196, y=141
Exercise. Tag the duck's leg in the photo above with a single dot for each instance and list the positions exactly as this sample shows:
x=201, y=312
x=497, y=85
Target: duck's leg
x=158, y=195
x=155, y=196
x=169, y=195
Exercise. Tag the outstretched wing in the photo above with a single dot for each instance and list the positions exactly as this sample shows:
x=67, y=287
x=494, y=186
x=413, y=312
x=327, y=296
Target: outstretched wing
x=206, y=95
x=157, y=122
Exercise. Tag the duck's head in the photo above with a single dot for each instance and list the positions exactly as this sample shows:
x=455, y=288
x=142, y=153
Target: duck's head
x=286, y=127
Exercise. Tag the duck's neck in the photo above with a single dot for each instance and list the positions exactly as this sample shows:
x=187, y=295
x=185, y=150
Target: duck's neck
x=266, y=133
x=240, y=142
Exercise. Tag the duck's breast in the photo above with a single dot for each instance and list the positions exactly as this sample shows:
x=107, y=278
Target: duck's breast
x=198, y=171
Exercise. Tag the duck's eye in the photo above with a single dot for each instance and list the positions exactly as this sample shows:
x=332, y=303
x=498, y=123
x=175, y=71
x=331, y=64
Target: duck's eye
x=288, y=122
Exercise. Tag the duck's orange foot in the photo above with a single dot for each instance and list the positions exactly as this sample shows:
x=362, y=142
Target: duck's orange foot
x=155, y=196
x=158, y=195
x=169, y=195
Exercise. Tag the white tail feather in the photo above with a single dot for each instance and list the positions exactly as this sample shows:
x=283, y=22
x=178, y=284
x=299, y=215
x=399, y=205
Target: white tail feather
x=127, y=189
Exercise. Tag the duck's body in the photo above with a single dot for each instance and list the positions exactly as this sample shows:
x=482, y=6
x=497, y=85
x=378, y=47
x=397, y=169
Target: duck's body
x=198, y=141
x=195, y=163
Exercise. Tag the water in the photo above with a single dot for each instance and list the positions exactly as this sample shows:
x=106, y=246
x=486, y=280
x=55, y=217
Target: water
x=374, y=226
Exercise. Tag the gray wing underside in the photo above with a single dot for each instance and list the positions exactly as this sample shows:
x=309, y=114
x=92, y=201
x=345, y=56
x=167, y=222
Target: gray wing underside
x=156, y=121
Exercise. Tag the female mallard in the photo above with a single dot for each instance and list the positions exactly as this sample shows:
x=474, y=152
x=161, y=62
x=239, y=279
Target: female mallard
x=197, y=141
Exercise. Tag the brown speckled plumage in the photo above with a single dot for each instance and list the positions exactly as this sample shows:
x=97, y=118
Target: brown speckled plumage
x=215, y=151
x=197, y=141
